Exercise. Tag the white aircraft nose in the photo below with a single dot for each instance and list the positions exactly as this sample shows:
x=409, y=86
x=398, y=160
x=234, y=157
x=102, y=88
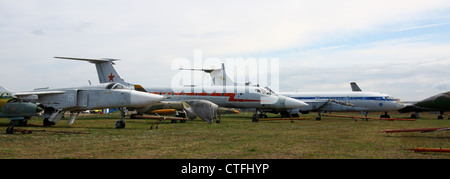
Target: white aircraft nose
x=293, y=103
x=400, y=105
x=141, y=99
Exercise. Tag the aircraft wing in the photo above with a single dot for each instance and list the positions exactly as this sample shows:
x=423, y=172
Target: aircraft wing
x=24, y=94
x=333, y=105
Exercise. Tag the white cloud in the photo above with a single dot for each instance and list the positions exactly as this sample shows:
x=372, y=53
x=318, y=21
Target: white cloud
x=442, y=85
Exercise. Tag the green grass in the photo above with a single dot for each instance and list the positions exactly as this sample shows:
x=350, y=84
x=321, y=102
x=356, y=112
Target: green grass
x=235, y=137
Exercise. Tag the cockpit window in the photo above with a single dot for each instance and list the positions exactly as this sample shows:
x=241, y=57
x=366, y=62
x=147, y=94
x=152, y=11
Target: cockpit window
x=266, y=90
x=115, y=86
x=270, y=91
x=263, y=91
x=109, y=86
x=390, y=97
x=118, y=86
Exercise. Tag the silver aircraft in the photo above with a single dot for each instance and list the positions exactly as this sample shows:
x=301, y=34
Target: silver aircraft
x=261, y=99
x=56, y=102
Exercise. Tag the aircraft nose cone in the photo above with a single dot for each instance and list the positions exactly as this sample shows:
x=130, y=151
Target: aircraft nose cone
x=141, y=99
x=400, y=106
x=293, y=103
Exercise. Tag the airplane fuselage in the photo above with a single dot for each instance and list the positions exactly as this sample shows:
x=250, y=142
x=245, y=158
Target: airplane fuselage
x=238, y=97
x=364, y=101
x=107, y=95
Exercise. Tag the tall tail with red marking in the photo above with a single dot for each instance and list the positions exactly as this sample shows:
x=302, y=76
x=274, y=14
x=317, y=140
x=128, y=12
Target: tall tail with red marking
x=105, y=69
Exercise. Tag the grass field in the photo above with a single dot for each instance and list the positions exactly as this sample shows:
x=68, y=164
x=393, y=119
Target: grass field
x=236, y=137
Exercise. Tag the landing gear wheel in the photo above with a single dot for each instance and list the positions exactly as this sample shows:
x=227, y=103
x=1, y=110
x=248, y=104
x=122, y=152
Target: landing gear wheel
x=385, y=116
x=23, y=122
x=255, y=118
x=46, y=122
x=10, y=129
x=120, y=125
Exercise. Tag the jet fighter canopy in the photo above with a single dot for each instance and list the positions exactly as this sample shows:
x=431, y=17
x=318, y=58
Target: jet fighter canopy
x=115, y=86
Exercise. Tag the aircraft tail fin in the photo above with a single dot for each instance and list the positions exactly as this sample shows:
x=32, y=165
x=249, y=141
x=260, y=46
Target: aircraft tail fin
x=105, y=69
x=218, y=76
x=355, y=87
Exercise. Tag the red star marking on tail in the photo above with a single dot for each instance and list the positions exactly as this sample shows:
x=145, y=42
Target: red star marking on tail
x=111, y=77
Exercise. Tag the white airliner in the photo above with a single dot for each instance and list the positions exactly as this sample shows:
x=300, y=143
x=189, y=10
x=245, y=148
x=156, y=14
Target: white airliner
x=347, y=101
x=356, y=100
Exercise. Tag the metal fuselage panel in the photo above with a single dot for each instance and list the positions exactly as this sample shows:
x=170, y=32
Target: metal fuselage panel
x=102, y=99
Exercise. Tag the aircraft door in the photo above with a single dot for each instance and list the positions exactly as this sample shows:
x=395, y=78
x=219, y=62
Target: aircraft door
x=83, y=97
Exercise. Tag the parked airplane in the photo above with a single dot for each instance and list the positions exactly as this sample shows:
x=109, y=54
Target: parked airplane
x=18, y=111
x=262, y=99
x=357, y=100
x=439, y=102
x=347, y=101
x=77, y=99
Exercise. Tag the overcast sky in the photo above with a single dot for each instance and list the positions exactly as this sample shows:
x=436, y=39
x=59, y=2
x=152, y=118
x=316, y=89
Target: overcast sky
x=399, y=47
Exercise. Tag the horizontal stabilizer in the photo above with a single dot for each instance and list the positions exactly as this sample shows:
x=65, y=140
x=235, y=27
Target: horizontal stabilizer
x=105, y=69
x=201, y=69
x=3, y=89
x=90, y=60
